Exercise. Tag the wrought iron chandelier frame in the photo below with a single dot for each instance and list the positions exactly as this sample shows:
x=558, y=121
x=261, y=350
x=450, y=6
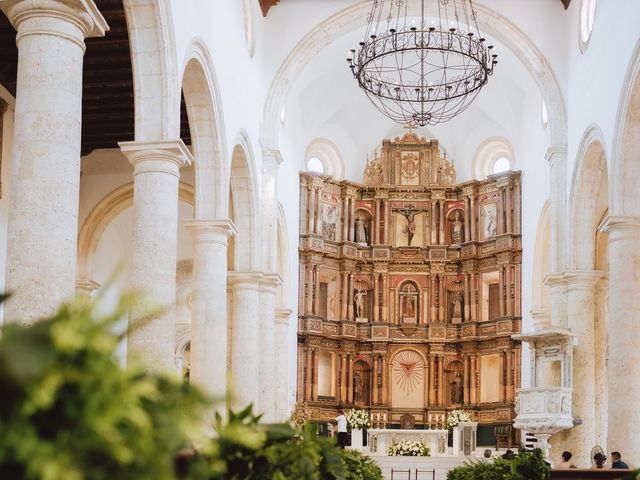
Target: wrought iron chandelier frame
x=412, y=93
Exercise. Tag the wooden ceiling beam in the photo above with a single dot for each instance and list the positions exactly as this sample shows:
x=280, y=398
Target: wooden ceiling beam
x=265, y=5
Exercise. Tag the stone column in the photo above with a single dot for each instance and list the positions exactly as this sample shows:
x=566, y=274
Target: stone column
x=245, y=352
x=432, y=299
x=312, y=209
x=434, y=231
x=440, y=380
x=473, y=218
x=345, y=296
x=209, y=307
x=509, y=209
x=502, y=382
x=350, y=304
x=376, y=222
x=376, y=297
x=557, y=158
x=271, y=160
x=466, y=297
x=45, y=185
x=156, y=174
x=624, y=335
x=267, y=370
x=474, y=307
x=343, y=379
x=441, y=312
x=318, y=228
x=501, y=289
x=352, y=218
x=581, y=286
x=467, y=220
x=349, y=378
x=345, y=219
x=374, y=381
x=510, y=391
x=432, y=380
x=384, y=379
x=385, y=297
x=467, y=382
x=314, y=376
x=509, y=299
x=308, y=368
x=558, y=296
x=304, y=200
x=442, y=223
x=281, y=378
x=316, y=290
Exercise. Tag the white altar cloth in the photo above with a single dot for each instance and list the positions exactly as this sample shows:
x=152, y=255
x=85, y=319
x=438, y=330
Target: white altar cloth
x=380, y=439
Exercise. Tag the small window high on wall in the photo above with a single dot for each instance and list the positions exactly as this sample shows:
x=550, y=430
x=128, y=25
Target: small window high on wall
x=501, y=164
x=587, y=21
x=314, y=164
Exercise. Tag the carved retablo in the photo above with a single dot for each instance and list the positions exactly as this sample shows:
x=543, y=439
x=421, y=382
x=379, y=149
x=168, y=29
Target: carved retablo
x=410, y=289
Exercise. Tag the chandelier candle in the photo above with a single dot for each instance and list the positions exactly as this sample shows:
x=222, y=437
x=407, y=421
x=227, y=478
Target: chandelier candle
x=422, y=62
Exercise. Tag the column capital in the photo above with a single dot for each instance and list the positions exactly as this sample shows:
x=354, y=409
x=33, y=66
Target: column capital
x=283, y=315
x=555, y=153
x=249, y=280
x=271, y=158
x=85, y=286
x=211, y=231
x=270, y=281
x=555, y=280
x=56, y=17
x=621, y=226
x=164, y=156
x=582, y=279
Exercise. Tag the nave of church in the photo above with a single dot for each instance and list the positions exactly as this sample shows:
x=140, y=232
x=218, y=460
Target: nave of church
x=305, y=239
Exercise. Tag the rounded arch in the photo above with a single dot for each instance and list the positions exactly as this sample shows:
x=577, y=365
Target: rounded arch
x=488, y=152
x=102, y=215
x=541, y=300
x=624, y=195
x=243, y=196
x=154, y=64
x=202, y=99
x=588, y=198
x=354, y=17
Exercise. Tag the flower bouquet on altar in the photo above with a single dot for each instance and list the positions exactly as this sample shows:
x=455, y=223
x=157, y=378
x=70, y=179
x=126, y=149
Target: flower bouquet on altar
x=408, y=448
x=358, y=419
x=454, y=417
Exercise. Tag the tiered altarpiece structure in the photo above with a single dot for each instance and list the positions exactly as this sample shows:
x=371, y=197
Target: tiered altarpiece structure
x=410, y=290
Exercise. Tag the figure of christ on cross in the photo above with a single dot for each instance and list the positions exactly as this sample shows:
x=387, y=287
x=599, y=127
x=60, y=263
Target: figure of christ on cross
x=409, y=213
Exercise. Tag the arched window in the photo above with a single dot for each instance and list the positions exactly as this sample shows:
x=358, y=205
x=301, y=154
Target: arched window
x=314, y=164
x=494, y=156
x=500, y=164
x=587, y=20
x=322, y=156
x=544, y=114
x=248, y=27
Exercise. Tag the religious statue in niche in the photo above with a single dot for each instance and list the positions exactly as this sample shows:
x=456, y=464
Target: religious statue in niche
x=358, y=387
x=457, y=389
x=409, y=297
x=457, y=229
x=490, y=223
x=329, y=217
x=361, y=228
x=359, y=298
x=456, y=307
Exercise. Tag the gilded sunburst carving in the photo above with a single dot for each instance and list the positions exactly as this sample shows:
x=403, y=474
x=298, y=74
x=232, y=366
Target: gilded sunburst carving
x=408, y=368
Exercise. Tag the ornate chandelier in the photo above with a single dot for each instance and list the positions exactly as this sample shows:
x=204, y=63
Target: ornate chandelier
x=422, y=64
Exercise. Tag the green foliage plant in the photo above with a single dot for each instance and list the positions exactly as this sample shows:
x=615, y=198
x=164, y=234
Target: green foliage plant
x=69, y=411
x=525, y=466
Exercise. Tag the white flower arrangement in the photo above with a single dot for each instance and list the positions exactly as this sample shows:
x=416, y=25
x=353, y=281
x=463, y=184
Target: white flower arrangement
x=454, y=417
x=408, y=448
x=358, y=419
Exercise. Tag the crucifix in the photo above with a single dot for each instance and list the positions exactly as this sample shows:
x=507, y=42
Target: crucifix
x=409, y=213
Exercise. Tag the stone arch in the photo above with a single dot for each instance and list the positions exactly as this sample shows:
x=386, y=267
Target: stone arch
x=244, y=212
x=154, y=64
x=588, y=198
x=202, y=99
x=541, y=295
x=625, y=167
x=102, y=215
x=354, y=17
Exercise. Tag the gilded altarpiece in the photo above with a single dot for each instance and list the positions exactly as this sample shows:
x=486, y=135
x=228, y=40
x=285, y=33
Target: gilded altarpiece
x=410, y=289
